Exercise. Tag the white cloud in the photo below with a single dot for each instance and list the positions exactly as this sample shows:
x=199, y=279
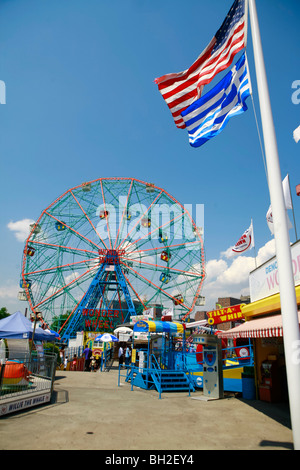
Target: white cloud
x=20, y=228
x=9, y=292
x=230, y=278
x=214, y=268
x=228, y=253
x=266, y=252
x=237, y=272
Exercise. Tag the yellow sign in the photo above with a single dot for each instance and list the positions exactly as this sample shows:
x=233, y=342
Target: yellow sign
x=133, y=356
x=225, y=314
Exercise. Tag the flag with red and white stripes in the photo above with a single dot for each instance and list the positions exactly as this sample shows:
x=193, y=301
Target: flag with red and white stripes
x=180, y=90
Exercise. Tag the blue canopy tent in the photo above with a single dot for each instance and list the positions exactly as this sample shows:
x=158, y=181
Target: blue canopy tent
x=17, y=326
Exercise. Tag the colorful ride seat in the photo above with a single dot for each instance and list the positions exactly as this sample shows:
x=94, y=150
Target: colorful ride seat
x=30, y=251
x=165, y=278
x=162, y=237
x=146, y=222
x=60, y=226
x=165, y=256
x=86, y=187
x=26, y=283
x=178, y=299
x=103, y=214
x=35, y=228
x=15, y=374
x=150, y=188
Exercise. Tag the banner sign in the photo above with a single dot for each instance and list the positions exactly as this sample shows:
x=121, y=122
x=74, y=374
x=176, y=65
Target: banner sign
x=22, y=403
x=101, y=320
x=264, y=280
x=222, y=315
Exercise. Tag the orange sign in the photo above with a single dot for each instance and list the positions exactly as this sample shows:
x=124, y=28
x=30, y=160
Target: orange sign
x=225, y=314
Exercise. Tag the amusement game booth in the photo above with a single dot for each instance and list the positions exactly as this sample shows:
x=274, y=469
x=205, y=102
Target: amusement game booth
x=263, y=326
x=161, y=359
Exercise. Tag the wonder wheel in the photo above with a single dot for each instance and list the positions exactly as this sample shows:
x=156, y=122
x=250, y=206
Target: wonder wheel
x=113, y=244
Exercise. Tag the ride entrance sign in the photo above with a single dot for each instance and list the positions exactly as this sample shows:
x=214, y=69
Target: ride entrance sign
x=222, y=315
x=101, y=320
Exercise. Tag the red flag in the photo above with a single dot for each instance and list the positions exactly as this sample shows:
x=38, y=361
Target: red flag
x=179, y=90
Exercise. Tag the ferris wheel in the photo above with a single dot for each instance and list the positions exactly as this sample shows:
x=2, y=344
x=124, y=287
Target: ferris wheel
x=107, y=222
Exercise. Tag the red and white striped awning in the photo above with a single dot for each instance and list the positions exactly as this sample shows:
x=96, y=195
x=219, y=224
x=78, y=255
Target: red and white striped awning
x=265, y=327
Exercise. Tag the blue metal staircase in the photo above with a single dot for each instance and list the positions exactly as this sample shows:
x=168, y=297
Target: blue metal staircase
x=171, y=381
x=164, y=380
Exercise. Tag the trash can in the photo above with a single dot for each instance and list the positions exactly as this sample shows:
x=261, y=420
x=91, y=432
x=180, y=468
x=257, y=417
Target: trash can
x=248, y=384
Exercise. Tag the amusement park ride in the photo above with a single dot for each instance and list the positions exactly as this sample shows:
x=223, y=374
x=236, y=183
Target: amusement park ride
x=110, y=249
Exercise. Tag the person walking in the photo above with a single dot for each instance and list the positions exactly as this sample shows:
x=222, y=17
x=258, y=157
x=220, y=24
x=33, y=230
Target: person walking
x=93, y=364
x=87, y=352
x=120, y=355
x=74, y=363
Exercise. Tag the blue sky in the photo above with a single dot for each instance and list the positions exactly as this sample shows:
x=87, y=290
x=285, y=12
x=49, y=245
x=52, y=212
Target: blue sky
x=81, y=103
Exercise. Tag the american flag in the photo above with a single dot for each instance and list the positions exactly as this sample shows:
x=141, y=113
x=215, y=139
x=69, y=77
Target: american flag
x=179, y=90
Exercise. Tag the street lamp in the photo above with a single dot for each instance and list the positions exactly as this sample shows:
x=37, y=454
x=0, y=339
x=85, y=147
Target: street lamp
x=34, y=317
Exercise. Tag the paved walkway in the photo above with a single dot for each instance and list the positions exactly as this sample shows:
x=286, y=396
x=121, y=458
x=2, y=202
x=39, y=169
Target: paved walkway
x=90, y=412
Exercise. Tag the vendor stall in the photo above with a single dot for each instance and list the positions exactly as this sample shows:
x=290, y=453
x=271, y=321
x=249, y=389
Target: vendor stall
x=267, y=336
x=162, y=336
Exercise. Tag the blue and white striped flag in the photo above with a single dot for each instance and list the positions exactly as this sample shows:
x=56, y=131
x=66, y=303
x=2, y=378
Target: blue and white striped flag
x=208, y=116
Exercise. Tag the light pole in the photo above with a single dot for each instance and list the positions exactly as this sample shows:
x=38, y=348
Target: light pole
x=34, y=318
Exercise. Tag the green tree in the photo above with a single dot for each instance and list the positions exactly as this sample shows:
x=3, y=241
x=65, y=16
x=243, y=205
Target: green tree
x=3, y=313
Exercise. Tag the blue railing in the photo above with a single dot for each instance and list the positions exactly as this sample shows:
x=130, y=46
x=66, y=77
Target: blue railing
x=157, y=377
x=168, y=362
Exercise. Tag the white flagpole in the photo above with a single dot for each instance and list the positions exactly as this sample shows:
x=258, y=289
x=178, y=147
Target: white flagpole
x=289, y=310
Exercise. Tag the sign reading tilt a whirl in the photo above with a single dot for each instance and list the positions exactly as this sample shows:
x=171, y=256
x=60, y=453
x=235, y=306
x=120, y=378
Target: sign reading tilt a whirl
x=222, y=315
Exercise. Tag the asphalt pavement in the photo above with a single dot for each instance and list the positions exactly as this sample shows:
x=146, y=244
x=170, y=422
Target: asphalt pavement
x=90, y=411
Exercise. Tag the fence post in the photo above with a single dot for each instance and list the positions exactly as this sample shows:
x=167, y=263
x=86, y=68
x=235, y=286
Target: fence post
x=54, y=362
x=1, y=374
x=160, y=383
